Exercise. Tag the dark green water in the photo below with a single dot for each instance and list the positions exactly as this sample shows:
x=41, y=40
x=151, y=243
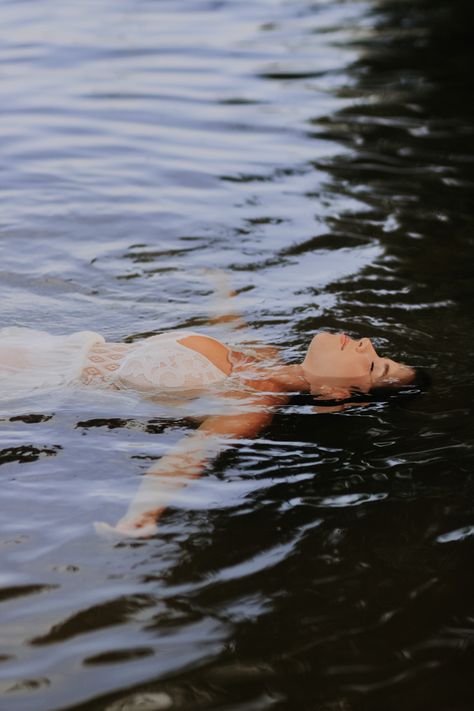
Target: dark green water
x=322, y=154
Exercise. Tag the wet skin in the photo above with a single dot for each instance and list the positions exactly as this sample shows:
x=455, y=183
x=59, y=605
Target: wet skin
x=334, y=363
x=339, y=360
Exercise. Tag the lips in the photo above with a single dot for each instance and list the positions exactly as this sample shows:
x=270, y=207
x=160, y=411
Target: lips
x=344, y=340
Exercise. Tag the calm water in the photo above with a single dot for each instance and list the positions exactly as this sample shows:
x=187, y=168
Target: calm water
x=322, y=154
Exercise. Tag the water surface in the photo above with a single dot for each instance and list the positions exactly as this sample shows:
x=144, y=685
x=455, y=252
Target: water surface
x=321, y=153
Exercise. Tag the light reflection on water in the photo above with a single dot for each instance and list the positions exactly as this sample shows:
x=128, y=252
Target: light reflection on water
x=321, y=154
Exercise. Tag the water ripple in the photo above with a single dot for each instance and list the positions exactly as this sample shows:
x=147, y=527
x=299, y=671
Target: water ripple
x=320, y=153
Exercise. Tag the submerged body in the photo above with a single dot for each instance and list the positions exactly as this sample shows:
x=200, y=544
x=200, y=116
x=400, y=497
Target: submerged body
x=32, y=360
x=252, y=386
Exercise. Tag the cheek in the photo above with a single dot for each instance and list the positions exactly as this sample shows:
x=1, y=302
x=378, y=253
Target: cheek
x=339, y=366
x=353, y=367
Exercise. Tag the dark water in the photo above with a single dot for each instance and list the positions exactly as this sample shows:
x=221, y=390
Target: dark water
x=322, y=154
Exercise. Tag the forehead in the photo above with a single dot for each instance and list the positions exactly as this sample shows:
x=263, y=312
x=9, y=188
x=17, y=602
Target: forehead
x=401, y=372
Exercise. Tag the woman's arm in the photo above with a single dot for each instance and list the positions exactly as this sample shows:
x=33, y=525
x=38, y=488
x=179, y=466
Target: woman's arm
x=222, y=308
x=190, y=456
x=223, y=312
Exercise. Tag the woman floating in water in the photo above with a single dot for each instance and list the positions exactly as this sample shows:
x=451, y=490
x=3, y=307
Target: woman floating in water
x=251, y=388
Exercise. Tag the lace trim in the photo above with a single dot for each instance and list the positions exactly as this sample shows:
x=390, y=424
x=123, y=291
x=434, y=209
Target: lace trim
x=158, y=363
x=102, y=361
x=167, y=365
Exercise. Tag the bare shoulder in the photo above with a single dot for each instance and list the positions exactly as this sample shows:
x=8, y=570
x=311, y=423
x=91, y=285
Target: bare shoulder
x=214, y=350
x=260, y=369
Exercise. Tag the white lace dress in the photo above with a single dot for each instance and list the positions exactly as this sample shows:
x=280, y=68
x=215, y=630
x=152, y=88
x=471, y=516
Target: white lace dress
x=36, y=361
x=33, y=361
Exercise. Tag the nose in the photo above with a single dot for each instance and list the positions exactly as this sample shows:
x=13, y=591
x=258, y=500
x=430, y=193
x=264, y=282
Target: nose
x=364, y=345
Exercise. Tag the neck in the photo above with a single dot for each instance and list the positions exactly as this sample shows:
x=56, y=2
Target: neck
x=290, y=378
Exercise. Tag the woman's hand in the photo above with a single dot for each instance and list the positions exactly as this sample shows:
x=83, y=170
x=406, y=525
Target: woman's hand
x=142, y=526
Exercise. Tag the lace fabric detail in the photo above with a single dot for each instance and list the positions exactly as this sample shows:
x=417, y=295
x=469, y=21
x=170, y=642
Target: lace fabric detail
x=163, y=363
x=155, y=364
x=102, y=361
x=36, y=361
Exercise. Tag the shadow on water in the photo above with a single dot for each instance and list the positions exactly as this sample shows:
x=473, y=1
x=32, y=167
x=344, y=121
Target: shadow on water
x=328, y=565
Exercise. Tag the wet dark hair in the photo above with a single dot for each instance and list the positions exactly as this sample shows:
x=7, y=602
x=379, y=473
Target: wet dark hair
x=421, y=382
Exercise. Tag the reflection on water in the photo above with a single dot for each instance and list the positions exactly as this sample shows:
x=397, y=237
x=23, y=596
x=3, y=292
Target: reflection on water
x=321, y=153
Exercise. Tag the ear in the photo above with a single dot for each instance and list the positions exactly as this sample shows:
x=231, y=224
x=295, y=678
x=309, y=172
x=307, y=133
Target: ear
x=328, y=392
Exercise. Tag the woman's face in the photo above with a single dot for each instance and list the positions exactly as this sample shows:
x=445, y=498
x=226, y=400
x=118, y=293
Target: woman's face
x=338, y=359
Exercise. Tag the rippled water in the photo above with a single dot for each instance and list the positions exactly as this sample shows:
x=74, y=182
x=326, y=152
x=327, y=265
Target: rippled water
x=322, y=154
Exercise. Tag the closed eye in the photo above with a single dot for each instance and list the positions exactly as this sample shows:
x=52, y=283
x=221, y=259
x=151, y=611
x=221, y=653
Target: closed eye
x=372, y=366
